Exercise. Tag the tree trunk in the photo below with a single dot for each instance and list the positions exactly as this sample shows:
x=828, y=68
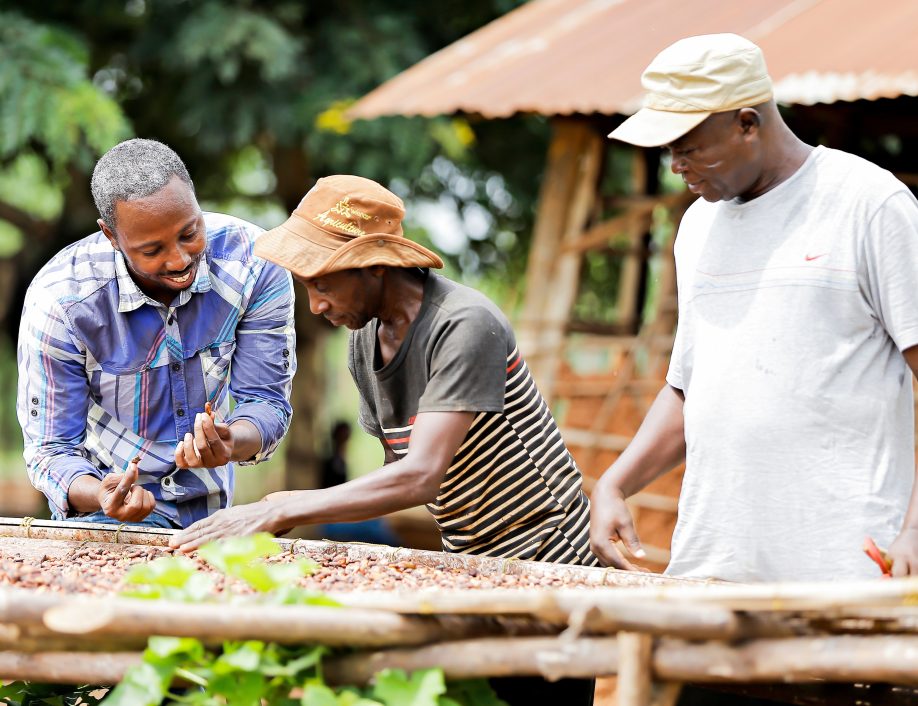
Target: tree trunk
x=291, y=167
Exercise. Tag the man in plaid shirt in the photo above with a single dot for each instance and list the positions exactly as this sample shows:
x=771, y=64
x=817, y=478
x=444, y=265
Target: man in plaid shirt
x=130, y=334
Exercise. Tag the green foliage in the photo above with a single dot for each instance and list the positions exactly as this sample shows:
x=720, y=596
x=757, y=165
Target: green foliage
x=48, y=98
x=26, y=183
x=19, y=693
x=169, y=578
x=177, y=578
x=422, y=688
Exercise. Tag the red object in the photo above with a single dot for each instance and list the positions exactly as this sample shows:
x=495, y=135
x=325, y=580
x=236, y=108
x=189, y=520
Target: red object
x=879, y=556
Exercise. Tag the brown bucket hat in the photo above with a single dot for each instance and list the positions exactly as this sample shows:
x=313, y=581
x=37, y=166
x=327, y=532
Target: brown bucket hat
x=344, y=222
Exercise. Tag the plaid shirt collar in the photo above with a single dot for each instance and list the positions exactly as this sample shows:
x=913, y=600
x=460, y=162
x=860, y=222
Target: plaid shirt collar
x=130, y=296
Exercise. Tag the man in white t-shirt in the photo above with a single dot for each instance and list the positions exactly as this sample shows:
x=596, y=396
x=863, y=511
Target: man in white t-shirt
x=789, y=392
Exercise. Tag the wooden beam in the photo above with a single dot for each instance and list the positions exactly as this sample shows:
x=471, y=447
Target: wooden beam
x=566, y=202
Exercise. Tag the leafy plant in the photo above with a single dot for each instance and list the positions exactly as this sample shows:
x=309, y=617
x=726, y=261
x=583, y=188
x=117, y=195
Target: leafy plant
x=20, y=693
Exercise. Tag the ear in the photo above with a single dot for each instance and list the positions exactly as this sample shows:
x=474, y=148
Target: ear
x=112, y=238
x=750, y=120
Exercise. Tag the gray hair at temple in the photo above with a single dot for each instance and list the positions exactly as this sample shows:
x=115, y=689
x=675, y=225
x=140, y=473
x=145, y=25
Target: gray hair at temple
x=131, y=170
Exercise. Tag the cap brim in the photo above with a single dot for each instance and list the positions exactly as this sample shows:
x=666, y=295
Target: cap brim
x=655, y=128
x=303, y=256
x=311, y=252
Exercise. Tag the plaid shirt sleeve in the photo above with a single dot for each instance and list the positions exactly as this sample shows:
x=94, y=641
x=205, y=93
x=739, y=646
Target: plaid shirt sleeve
x=53, y=398
x=265, y=360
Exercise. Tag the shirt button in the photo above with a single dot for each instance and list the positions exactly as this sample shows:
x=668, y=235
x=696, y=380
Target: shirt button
x=176, y=367
x=34, y=412
x=286, y=352
x=170, y=319
x=34, y=400
x=180, y=412
x=286, y=365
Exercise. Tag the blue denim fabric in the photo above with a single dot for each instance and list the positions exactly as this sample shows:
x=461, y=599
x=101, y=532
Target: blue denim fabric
x=152, y=520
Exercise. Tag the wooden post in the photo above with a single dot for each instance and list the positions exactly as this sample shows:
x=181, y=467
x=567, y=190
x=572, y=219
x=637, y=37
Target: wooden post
x=565, y=202
x=634, y=664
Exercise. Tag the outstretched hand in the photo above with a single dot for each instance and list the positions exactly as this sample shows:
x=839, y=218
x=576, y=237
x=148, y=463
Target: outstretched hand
x=121, y=499
x=238, y=521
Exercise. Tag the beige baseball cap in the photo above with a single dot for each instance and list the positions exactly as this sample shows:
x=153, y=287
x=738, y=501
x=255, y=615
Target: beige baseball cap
x=690, y=80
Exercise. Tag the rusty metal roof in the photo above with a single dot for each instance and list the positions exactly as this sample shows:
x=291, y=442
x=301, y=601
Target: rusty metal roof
x=558, y=57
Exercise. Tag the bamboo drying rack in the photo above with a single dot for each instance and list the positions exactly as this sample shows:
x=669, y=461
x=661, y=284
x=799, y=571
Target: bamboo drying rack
x=652, y=631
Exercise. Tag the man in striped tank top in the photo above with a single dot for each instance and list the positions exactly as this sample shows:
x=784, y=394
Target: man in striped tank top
x=442, y=385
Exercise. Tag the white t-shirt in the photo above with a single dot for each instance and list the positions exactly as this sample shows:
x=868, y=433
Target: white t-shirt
x=799, y=428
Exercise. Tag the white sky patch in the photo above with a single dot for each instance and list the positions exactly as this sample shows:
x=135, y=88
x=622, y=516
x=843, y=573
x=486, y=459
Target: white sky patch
x=442, y=221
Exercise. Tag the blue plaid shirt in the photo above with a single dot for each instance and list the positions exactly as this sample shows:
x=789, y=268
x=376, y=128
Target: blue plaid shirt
x=107, y=373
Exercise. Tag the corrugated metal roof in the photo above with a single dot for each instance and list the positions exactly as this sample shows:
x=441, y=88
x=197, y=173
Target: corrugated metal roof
x=558, y=57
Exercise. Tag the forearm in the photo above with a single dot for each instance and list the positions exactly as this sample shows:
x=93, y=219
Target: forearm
x=396, y=487
x=83, y=494
x=658, y=446
x=911, y=514
x=246, y=440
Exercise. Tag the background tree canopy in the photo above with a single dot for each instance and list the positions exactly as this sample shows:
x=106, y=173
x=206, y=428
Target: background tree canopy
x=253, y=96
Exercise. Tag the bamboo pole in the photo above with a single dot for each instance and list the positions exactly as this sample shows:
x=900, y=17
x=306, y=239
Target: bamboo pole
x=634, y=669
x=777, y=597
x=551, y=658
x=797, y=660
x=115, y=532
x=286, y=624
x=803, y=659
x=605, y=614
x=67, y=667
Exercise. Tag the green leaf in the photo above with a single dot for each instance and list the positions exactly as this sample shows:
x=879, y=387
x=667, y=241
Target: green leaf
x=169, y=578
x=241, y=688
x=353, y=698
x=239, y=657
x=165, y=571
x=228, y=555
x=142, y=686
x=175, y=646
x=13, y=692
x=265, y=577
x=292, y=667
x=394, y=688
x=318, y=695
x=471, y=692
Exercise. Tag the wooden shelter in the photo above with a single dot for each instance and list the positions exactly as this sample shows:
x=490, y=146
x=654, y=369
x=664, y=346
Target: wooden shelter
x=846, y=72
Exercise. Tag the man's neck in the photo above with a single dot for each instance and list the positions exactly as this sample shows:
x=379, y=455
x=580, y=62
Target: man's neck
x=403, y=294
x=785, y=159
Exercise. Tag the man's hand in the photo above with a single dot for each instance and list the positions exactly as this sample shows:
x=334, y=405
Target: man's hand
x=903, y=553
x=238, y=521
x=210, y=446
x=121, y=500
x=610, y=520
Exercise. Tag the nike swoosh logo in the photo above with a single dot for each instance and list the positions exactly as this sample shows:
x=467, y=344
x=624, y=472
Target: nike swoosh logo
x=810, y=258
